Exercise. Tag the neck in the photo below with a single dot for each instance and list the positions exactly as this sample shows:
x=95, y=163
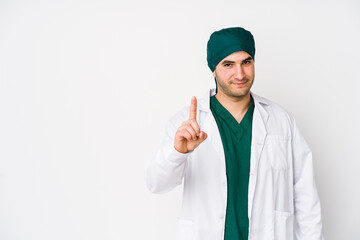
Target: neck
x=237, y=106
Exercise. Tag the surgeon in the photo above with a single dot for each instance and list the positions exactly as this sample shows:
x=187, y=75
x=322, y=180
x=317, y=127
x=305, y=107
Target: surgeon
x=246, y=169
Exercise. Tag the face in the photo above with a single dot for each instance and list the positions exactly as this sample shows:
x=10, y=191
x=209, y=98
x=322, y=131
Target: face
x=235, y=75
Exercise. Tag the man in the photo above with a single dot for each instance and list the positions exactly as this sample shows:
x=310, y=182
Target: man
x=246, y=168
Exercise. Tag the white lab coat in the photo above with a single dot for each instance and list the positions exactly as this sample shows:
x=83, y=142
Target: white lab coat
x=281, y=183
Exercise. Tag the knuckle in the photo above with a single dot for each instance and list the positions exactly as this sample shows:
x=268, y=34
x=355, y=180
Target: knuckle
x=184, y=123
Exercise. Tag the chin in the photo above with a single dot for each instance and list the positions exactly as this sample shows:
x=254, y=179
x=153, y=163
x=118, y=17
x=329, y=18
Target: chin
x=241, y=94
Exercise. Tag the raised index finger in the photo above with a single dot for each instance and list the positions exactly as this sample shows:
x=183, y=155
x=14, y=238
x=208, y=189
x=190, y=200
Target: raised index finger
x=193, y=107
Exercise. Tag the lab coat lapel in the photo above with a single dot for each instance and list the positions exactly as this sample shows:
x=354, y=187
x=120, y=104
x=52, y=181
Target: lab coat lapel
x=211, y=126
x=216, y=138
x=259, y=133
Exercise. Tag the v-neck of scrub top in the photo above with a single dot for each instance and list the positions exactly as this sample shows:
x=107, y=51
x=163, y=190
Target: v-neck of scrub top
x=226, y=117
x=236, y=140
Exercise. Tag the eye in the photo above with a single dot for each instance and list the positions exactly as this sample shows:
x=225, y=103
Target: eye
x=227, y=65
x=247, y=62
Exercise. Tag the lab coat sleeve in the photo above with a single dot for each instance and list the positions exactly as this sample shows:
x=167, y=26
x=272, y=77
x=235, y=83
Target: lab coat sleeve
x=306, y=200
x=166, y=170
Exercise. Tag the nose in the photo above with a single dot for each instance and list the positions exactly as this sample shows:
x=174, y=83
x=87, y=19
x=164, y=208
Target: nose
x=239, y=72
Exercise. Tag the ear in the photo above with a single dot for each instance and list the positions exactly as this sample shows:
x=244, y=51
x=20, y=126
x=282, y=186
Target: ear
x=214, y=74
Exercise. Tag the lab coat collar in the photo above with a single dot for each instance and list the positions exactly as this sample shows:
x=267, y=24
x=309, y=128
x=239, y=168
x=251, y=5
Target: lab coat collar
x=204, y=102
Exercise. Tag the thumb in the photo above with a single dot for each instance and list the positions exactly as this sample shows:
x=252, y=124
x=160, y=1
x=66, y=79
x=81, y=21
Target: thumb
x=202, y=136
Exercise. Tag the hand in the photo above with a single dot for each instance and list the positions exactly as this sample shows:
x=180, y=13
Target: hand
x=188, y=136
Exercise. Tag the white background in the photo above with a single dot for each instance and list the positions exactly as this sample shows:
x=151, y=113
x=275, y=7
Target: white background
x=86, y=88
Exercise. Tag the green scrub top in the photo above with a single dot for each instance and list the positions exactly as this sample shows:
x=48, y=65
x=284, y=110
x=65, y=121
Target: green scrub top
x=236, y=140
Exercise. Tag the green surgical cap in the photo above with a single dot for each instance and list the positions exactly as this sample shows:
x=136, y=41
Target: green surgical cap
x=227, y=41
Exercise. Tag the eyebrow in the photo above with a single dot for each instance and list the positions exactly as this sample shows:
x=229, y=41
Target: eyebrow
x=232, y=62
x=228, y=62
x=247, y=59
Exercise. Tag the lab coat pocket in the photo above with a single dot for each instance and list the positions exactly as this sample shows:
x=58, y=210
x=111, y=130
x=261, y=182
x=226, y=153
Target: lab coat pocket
x=283, y=225
x=185, y=230
x=277, y=151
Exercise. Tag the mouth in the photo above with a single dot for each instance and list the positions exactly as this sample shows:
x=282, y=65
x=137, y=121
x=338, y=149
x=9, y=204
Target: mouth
x=239, y=84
